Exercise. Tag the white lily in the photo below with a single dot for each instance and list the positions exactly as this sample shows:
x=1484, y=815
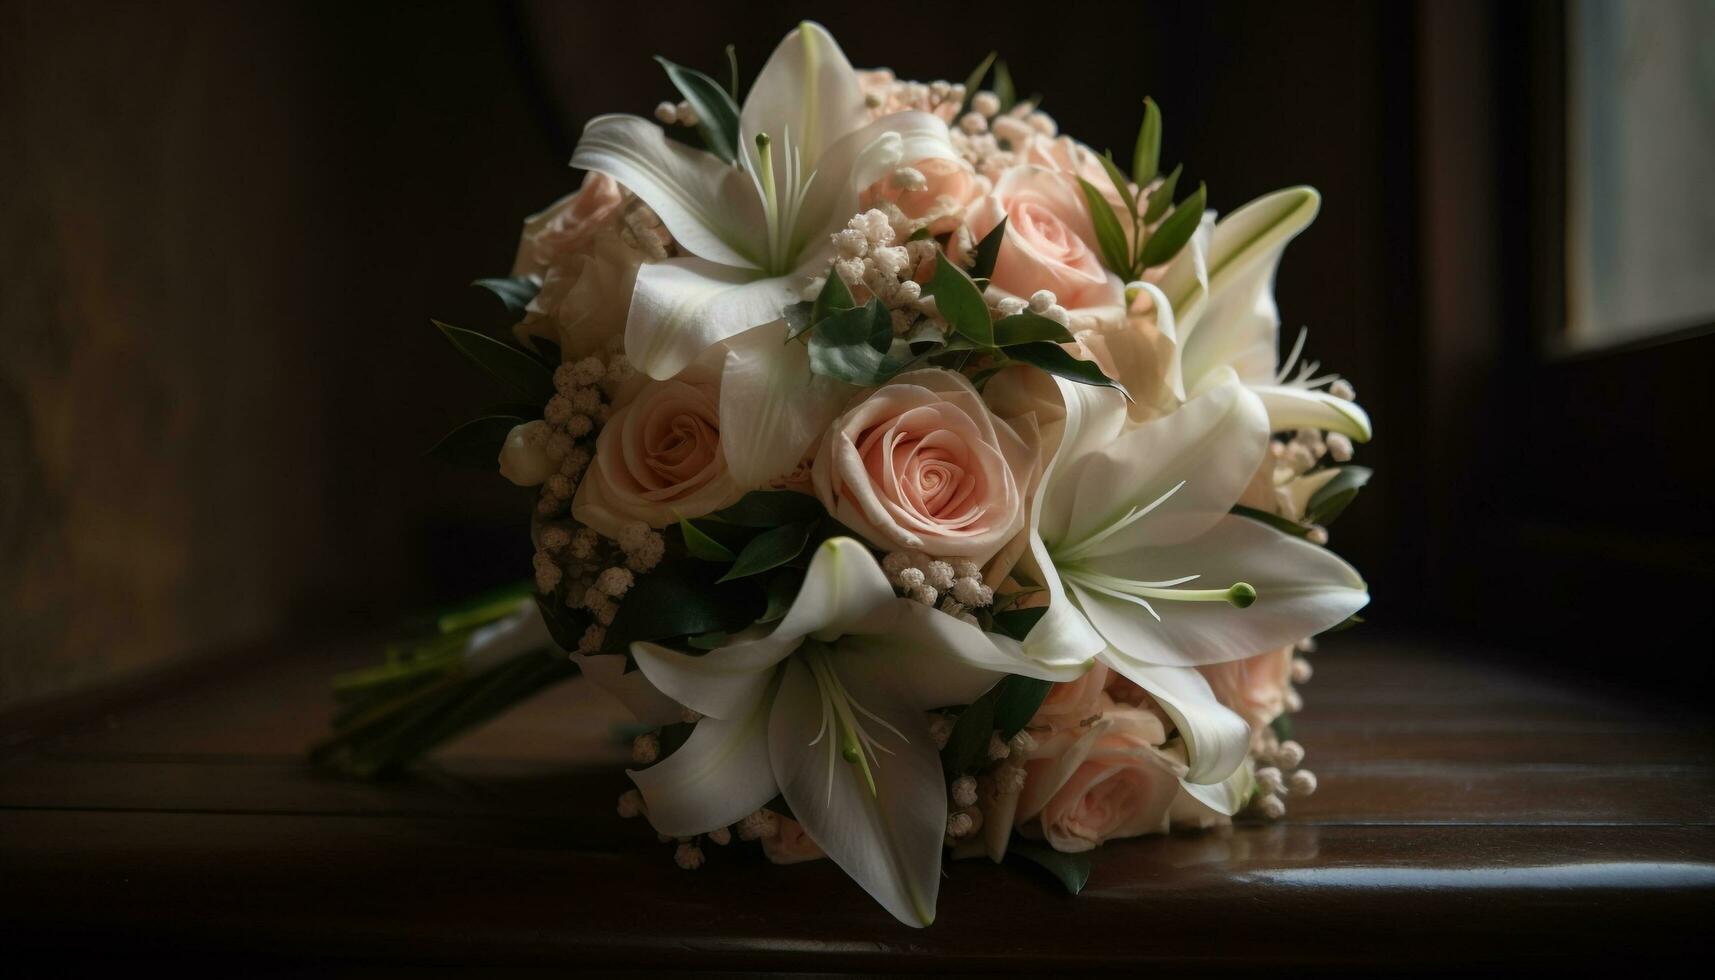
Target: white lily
x=1221, y=294
x=757, y=230
x=1146, y=568
x=827, y=709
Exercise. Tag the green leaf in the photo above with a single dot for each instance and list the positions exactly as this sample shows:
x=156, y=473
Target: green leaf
x=476, y=443
x=1161, y=198
x=1017, y=623
x=525, y=375
x=833, y=297
x=1072, y=870
x=1175, y=230
x=798, y=318
x=1282, y=726
x=770, y=549
x=772, y=508
x=1054, y=359
x=1003, y=86
x=1016, y=702
x=717, y=110
x=851, y=345
x=967, y=745
x=680, y=599
x=1334, y=496
x=708, y=641
x=960, y=302
x=1146, y=158
x=1120, y=183
x=1029, y=328
x=515, y=292
x=1109, y=235
x=732, y=72
x=1344, y=624
x=988, y=250
x=780, y=589
x=565, y=625
x=1275, y=521
x=485, y=607
x=975, y=79
x=700, y=545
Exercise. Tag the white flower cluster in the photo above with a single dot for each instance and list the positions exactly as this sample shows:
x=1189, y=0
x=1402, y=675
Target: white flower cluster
x=870, y=264
x=885, y=94
x=991, y=140
x=954, y=585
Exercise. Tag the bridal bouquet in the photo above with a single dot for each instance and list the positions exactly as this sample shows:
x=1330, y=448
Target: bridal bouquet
x=927, y=484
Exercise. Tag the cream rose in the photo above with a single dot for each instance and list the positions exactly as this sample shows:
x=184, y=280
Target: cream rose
x=1133, y=351
x=1050, y=244
x=1255, y=687
x=1071, y=703
x=585, y=296
x=659, y=457
x=948, y=187
x=568, y=224
x=1112, y=781
x=921, y=464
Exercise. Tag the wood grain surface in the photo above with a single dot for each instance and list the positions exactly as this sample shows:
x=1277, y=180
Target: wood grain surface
x=1467, y=816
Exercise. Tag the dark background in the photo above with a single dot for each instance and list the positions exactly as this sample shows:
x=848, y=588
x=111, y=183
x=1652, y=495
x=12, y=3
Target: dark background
x=228, y=224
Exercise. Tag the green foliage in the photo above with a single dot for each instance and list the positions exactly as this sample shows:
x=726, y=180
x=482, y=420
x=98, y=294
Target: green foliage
x=987, y=251
x=833, y=297
x=1175, y=230
x=1016, y=701
x=476, y=443
x=770, y=549
x=960, y=302
x=771, y=508
x=1161, y=198
x=1017, y=623
x=1053, y=359
x=852, y=345
x=1003, y=86
x=1110, y=236
x=699, y=544
x=681, y=599
x=1332, y=499
x=975, y=79
x=1071, y=870
x=1007, y=706
x=1146, y=157
x=716, y=108
x=521, y=373
x=1275, y=521
x=1029, y=328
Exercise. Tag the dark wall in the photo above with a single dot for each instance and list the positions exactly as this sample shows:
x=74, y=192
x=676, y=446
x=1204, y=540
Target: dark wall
x=228, y=224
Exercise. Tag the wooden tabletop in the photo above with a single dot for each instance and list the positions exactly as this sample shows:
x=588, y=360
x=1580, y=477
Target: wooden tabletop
x=1467, y=814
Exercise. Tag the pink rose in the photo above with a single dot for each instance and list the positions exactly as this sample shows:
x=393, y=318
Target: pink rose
x=1072, y=703
x=921, y=464
x=791, y=845
x=659, y=457
x=568, y=224
x=1066, y=155
x=949, y=185
x=1050, y=243
x=1255, y=687
x=1112, y=781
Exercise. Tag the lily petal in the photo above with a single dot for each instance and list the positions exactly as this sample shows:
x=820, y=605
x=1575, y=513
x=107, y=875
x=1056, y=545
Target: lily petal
x=682, y=306
x=843, y=592
x=772, y=406
x=1186, y=468
x=722, y=683
x=807, y=89
x=1216, y=739
x=1291, y=407
x=889, y=841
x=719, y=776
x=1228, y=796
x=858, y=160
x=1301, y=589
x=710, y=207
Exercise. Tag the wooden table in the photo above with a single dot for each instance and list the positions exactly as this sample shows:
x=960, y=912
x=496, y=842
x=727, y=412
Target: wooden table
x=1467, y=815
